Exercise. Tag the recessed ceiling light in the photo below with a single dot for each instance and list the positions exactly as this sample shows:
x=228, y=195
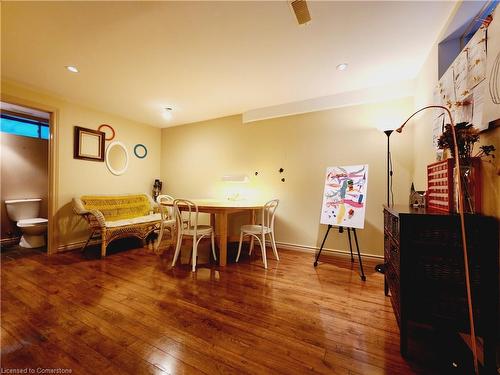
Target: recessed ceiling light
x=167, y=113
x=342, y=66
x=72, y=69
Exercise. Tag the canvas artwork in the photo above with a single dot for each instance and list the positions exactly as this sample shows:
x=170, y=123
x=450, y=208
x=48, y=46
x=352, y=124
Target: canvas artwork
x=344, y=197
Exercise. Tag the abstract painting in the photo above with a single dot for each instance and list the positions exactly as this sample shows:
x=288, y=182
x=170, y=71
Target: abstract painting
x=344, y=198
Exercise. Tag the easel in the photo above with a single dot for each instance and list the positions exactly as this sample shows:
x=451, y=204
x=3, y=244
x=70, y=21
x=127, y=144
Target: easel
x=341, y=230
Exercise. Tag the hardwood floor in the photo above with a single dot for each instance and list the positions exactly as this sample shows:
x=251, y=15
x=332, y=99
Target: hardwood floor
x=130, y=313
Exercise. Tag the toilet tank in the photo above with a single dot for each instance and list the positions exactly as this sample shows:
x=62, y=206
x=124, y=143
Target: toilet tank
x=19, y=209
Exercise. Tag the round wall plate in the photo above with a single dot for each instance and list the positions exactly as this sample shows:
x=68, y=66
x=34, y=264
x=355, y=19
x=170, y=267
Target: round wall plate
x=101, y=127
x=117, y=158
x=140, y=151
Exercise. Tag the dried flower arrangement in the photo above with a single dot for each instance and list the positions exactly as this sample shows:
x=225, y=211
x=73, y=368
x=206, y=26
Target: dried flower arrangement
x=467, y=137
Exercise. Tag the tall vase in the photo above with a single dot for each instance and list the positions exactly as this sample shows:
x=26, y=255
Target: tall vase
x=470, y=175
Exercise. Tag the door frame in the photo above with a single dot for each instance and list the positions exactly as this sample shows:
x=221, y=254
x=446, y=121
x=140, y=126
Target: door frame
x=53, y=177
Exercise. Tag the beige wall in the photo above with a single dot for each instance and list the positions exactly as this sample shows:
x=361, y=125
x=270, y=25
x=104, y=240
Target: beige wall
x=77, y=177
x=421, y=125
x=24, y=174
x=491, y=176
x=424, y=150
x=195, y=156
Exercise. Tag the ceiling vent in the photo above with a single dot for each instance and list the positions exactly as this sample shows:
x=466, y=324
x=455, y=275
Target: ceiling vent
x=301, y=11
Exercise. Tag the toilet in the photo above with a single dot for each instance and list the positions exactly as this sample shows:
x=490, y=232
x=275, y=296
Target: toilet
x=25, y=213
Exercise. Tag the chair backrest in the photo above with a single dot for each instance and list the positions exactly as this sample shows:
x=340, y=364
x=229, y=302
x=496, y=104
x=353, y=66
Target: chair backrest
x=268, y=212
x=191, y=213
x=167, y=212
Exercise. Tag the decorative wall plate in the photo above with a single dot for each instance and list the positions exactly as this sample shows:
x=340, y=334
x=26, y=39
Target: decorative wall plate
x=117, y=158
x=103, y=126
x=140, y=151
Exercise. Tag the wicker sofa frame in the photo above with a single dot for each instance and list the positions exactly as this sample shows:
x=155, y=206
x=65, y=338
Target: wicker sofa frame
x=101, y=212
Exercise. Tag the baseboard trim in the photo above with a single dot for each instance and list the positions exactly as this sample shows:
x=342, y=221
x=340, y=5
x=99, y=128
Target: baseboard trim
x=9, y=241
x=76, y=245
x=283, y=245
x=326, y=251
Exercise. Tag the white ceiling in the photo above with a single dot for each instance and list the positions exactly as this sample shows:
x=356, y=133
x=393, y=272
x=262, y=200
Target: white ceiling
x=212, y=59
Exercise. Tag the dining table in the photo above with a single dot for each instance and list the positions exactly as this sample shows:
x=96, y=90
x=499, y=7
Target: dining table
x=219, y=210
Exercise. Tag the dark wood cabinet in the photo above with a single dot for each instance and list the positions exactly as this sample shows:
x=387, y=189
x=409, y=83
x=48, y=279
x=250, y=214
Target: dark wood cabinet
x=424, y=273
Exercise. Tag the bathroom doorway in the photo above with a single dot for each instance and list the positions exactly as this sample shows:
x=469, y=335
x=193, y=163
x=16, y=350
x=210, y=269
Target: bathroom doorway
x=26, y=143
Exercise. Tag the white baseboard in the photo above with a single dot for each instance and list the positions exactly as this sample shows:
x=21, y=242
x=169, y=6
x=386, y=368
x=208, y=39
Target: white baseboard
x=326, y=251
x=282, y=245
x=9, y=241
x=76, y=245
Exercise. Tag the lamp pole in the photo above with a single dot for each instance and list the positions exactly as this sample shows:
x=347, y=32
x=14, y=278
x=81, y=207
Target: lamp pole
x=389, y=170
x=381, y=267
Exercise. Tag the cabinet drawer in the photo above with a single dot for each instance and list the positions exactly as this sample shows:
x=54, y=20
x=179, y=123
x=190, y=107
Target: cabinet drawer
x=394, y=288
x=395, y=228
x=391, y=253
x=387, y=221
x=391, y=225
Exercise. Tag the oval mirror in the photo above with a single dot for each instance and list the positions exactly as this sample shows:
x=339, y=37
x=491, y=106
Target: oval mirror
x=117, y=158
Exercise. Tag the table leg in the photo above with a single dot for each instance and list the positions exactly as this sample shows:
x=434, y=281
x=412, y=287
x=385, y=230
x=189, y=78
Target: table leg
x=253, y=220
x=212, y=221
x=222, y=226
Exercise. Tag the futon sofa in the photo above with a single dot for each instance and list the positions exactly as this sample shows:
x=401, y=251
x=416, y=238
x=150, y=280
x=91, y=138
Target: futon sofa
x=118, y=216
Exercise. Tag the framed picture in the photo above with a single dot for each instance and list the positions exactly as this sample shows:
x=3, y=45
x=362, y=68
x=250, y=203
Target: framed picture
x=344, y=197
x=88, y=144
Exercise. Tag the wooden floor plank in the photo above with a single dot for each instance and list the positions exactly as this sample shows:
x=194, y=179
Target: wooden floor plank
x=130, y=313
x=314, y=358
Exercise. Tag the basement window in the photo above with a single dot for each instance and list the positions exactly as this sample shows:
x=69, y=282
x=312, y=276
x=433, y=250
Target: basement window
x=24, y=127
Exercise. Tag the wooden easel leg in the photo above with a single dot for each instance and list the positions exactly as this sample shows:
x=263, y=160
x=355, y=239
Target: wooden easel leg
x=321, y=248
x=363, y=277
x=350, y=243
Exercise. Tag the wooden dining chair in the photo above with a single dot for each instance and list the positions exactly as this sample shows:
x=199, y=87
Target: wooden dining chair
x=259, y=231
x=192, y=229
x=167, y=217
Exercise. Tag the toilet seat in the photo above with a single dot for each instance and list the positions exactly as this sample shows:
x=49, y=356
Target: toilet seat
x=31, y=222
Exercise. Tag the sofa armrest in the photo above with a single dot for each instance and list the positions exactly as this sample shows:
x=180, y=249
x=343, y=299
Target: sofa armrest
x=95, y=218
x=96, y=215
x=78, y=207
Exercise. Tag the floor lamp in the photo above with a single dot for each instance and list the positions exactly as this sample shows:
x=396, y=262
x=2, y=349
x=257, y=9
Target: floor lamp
x=381, y=267
x=462, y=225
